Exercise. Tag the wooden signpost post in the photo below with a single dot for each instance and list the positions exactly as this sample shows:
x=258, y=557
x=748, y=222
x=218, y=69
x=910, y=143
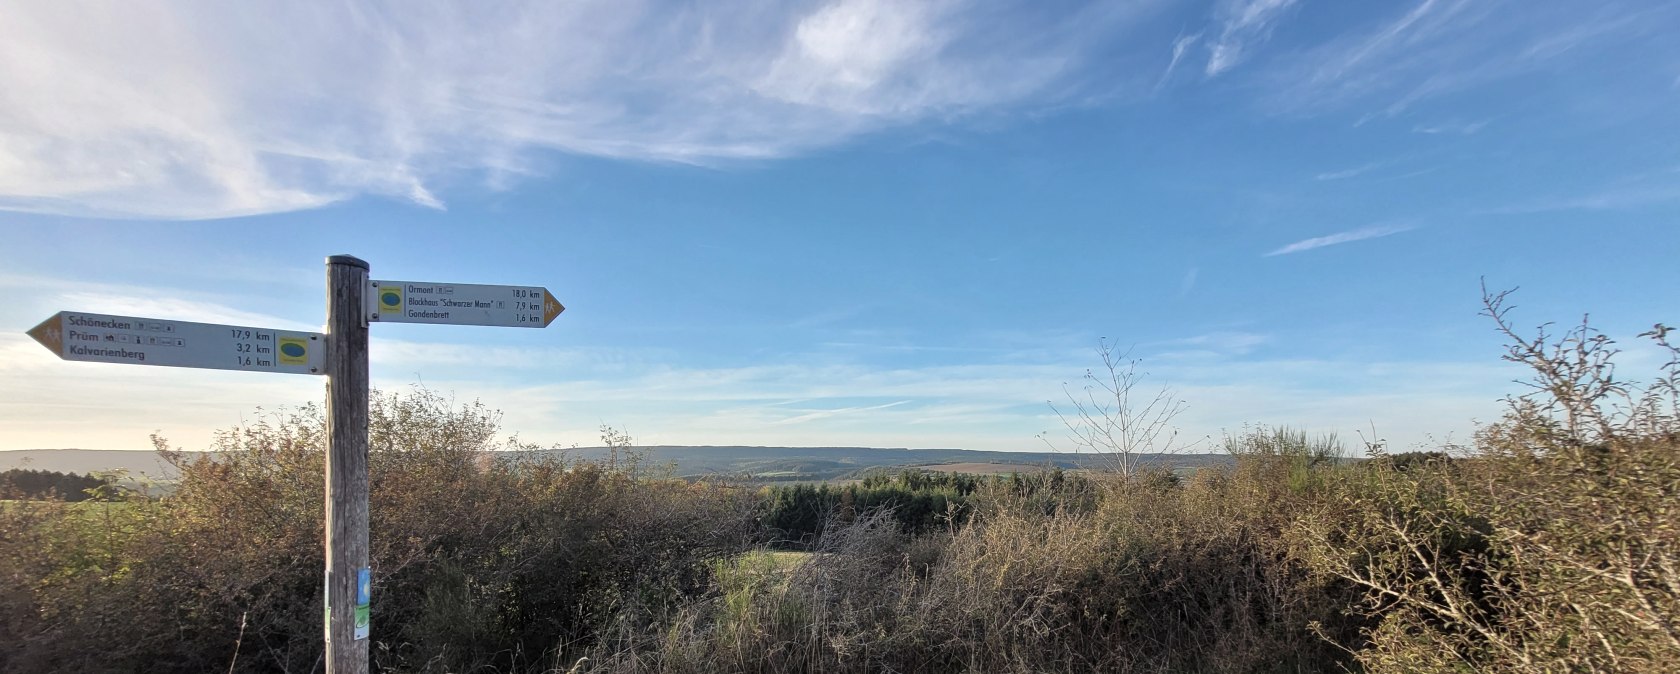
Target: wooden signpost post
x=347, y=477
x=341, y=353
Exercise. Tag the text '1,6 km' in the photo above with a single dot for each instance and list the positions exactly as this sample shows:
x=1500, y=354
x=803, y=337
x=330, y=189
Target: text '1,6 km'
x=102, y=338
x=341, y=354
x=461, y=304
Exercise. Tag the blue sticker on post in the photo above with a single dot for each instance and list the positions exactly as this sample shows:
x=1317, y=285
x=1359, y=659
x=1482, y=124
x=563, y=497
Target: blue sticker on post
x=364, y=594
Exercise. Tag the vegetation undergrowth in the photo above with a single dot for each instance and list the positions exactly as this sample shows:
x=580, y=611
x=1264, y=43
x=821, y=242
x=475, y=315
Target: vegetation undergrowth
x=485, y=556
x=1551, y=544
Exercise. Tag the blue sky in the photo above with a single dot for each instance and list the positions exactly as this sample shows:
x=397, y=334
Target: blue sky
x=853, y=222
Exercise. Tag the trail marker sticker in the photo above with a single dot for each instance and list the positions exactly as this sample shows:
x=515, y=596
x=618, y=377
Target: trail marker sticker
x=364, y=597
x=353, y=301
x=462, y=304
x=103, y=338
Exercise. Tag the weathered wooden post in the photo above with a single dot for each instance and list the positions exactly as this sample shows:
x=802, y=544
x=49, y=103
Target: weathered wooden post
x=341, y=354
x=347, y=582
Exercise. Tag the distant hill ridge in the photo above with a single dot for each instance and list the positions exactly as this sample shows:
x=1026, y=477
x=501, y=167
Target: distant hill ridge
x=830, y=462
x=775, y=463
x=84, y=461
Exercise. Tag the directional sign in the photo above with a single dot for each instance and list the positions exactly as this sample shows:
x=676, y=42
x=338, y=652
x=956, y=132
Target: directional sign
x=462, y=304
x=101, y=338
x=353, y=301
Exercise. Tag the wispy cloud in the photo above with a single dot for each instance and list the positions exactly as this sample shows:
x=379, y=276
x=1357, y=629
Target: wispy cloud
x=1608, y=199
x=1223, y=343
x=831, y=316
x=1244, y=25
x=1454, y=128
x=158, y=110
x=1181, y=46
x=982, y=402
x=1189, y=281
x=43, y=295
x=179, y=309
x=1001, y=406
x=824, y=414
x=1349, y=173
x=1439, y=47
x=1372, y=232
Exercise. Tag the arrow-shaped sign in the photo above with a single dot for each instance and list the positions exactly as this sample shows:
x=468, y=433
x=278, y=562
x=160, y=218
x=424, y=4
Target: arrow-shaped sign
x=103, y=338
x=462, y=304
x=352, y=302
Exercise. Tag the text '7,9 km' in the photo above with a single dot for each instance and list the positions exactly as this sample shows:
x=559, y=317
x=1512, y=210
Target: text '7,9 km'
x=341, y=354
x=103, y=338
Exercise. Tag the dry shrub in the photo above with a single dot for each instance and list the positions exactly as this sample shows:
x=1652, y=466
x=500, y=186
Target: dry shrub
x=1145, y=574
x=481, y=558
x=1552, y=546
x=1555, y=547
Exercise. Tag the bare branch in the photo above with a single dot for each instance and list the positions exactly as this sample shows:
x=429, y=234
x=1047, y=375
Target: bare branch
x=1111, y=417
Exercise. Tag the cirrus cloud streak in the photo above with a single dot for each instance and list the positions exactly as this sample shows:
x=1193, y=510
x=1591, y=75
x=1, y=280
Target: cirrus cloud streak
x=1361, y=234
x=205, y=110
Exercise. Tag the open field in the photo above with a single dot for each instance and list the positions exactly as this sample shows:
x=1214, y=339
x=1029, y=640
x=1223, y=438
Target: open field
x=773, y=561
x=984, y=468
x=84, y=461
